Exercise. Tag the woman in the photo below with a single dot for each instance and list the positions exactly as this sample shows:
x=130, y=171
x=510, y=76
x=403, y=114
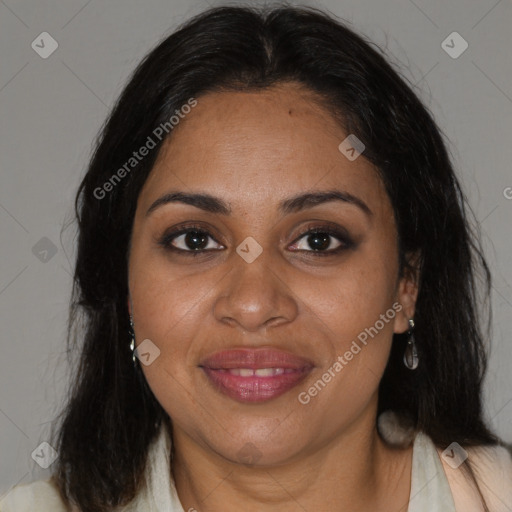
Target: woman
x=272, y=224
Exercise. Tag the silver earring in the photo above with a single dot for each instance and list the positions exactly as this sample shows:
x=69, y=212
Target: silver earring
x=411, y=359
x=132, y=343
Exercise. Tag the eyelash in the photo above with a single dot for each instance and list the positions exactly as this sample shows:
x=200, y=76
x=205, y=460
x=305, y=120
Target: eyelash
x=340, y=235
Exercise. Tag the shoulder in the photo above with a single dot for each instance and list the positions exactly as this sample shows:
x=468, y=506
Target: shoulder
x=41, y=495
x=492, y=467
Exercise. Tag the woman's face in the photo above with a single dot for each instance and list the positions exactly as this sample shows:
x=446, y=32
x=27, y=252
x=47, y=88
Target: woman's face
x=250, y=328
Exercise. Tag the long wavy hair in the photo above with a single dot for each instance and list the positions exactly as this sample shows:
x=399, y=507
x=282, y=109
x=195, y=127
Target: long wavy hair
x=111, y=416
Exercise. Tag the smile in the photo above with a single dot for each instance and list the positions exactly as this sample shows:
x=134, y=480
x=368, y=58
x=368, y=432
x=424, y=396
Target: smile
x=255, y=375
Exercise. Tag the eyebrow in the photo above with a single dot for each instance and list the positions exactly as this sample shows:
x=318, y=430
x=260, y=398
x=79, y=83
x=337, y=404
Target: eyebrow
x=212, y=204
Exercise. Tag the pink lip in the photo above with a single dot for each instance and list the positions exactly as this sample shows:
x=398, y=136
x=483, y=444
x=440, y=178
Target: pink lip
x=255, y=388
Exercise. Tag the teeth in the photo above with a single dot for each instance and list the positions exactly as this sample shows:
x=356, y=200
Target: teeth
x=266, y=372
x=260, y=372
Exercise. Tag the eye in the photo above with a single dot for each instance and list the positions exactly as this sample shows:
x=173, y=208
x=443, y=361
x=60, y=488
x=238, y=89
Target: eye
x=323, y=240
x=194, y=240
x=191, y=239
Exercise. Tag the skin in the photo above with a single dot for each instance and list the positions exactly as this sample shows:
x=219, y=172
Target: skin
x=254, y=150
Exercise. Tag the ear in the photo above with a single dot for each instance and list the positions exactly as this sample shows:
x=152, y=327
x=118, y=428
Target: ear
x=407, y=292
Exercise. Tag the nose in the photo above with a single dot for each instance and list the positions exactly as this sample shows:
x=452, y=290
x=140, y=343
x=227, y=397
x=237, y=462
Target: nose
x=255, y=296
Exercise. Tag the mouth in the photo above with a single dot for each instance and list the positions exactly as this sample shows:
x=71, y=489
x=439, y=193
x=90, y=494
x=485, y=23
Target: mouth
x=255, y=375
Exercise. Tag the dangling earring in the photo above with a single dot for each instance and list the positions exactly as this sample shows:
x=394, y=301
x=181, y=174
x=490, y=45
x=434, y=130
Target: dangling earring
x=411, y=359
x=132, y=343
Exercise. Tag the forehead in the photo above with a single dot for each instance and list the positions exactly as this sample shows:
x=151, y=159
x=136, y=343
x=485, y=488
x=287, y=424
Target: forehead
x=260, y=146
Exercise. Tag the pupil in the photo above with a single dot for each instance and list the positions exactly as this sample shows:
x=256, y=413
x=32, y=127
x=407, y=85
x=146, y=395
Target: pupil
x=196, y=237
x=322, y=238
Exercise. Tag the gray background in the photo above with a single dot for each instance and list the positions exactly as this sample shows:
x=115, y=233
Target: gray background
x=51, y=110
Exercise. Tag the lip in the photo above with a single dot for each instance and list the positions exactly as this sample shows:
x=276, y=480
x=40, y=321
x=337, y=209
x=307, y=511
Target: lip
x=289, y=370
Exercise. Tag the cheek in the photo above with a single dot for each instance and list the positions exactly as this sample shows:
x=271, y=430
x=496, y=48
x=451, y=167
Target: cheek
x=167, y=299
x=354, y=297
x=168, y=311
x=356, y=308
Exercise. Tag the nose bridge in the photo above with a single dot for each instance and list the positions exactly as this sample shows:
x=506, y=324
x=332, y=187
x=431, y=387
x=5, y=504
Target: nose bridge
x=254, y=293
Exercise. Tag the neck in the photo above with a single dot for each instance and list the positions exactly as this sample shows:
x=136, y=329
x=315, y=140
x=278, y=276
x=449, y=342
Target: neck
x=354, y=470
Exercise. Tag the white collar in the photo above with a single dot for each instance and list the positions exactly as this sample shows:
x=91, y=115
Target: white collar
x=159, y=494
x=430, y=491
